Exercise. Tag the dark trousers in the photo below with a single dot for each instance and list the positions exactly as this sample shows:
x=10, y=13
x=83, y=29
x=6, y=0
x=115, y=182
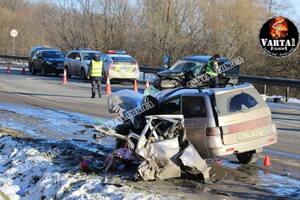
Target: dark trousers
x=96, y=81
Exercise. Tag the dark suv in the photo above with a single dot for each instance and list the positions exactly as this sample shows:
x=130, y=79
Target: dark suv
x=47, y=61
x=190, y=67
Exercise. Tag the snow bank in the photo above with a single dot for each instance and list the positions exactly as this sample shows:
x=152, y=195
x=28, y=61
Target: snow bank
x=294, y=101
x=28, y=172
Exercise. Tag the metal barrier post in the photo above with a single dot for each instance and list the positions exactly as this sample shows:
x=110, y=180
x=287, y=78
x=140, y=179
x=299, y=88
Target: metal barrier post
x=265, y=89
x=287, y=91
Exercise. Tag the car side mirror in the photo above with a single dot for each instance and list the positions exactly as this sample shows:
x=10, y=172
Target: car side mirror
x=77, y=58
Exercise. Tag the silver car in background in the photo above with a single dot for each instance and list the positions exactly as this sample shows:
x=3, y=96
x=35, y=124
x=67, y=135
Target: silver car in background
x=119, y=65
x=77, y=61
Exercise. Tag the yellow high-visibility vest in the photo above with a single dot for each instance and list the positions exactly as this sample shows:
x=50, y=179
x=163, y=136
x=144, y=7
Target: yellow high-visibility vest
x=96, y=68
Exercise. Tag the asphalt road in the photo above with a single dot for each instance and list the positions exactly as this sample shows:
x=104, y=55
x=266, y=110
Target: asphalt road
x=48, y=92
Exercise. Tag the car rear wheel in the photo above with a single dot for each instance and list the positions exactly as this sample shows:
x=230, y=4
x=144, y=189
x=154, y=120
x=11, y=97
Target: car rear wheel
x=33, y=71
x=247, y=157
x=43, y=71
x=83, y=74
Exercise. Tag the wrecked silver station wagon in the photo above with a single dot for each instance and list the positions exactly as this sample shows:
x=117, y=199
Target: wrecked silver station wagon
x=223, y=121
x=215, y=122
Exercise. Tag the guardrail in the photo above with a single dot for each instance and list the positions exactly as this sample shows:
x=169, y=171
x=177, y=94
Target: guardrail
x=264, y=80
x=13, y=58
x=285, y=82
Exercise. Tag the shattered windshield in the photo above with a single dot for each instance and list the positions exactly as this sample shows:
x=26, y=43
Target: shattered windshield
x=194, y=67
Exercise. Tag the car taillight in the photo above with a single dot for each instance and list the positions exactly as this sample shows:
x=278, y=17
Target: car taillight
x=230, y=149
x=212, y=131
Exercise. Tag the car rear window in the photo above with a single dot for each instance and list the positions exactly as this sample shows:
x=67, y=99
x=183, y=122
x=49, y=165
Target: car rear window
x=240, y=102
x=123, y=59
x=88, y=56
x=234, y=102
x=53, y=54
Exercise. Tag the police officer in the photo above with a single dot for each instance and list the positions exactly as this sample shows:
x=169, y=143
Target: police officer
x=212, y=68
x=95, y=74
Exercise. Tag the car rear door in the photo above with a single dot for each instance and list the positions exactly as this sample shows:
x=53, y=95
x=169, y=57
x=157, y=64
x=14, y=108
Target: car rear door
x=77, y=63
x=38, y=60
x=193, y=109
x=71, y=60
x=242, y=115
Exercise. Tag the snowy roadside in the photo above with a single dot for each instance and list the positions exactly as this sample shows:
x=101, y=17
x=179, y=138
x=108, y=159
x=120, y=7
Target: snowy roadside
x=31, y=169
x=39, y=158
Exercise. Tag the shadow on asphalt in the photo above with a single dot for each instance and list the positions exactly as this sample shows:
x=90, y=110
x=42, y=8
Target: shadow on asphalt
x=41, y=94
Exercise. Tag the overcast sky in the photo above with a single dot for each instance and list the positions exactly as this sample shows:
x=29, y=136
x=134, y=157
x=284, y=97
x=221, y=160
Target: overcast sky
x=293, y=15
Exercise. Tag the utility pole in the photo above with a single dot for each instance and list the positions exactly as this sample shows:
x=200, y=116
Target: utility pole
x=13, y=34
x=270, y=6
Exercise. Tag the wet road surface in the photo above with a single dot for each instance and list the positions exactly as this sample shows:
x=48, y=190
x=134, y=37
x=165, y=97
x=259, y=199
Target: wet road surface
x=230, y=180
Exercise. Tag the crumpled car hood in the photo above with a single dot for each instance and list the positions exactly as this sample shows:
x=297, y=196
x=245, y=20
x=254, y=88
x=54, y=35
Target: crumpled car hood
x=170, y=73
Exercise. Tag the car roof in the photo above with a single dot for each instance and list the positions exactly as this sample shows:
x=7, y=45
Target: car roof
x=42, y=50
x=201, y=58
x=90, y=51
x=41, y=46
x=167, y=94
x=119, y=55
x=85, y=51
x=36, y=48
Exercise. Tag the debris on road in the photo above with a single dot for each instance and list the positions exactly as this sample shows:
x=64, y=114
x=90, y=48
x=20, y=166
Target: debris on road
x=162, y=149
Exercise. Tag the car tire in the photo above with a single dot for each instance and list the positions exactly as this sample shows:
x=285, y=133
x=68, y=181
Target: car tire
x=43, y=70
x=247, y=157
x=33, y=70
x=83, y=74
x=30, y=68
x=68, y=73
